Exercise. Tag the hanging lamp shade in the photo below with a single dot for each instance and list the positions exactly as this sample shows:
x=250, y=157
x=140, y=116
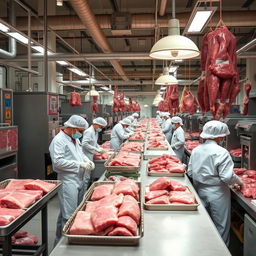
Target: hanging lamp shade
x=157, y=99
x=92, y=92
x=166, y=79
x=174, y=46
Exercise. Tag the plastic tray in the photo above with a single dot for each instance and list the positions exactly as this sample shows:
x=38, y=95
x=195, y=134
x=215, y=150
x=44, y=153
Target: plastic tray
x=171, y=207
x=165, y=174
x=123, y=168
x=101, y=240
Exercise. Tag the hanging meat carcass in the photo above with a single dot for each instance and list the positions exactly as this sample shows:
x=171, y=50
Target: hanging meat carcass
x=189, y=102
x=94, y=106
x=247, y=89
x=115, y=106
x=75, y=99
x=174, y=99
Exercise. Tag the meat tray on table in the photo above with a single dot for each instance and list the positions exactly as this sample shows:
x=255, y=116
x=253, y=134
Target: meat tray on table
x=131, y=169
x=103, y=240
x=165, y=174
x=133, y=146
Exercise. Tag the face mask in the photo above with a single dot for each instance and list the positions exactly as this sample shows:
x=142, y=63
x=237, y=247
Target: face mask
x=76, y=135
x=98, y=130
x=173, y=126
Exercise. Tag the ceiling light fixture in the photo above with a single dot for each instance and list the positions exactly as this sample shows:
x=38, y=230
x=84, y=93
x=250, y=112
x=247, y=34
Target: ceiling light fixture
x=158, y=98
x=77, y=71
x=174, y=46
x=92, y=92
x=105, y=88
x=62, y=62
x=166, y=79
x=4, y=28
x=18, y=37
x=59, y=2
x=40, y=49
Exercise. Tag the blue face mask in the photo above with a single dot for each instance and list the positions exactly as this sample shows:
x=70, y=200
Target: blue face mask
x=76, y=135
x=173, y=126
x=98, y=130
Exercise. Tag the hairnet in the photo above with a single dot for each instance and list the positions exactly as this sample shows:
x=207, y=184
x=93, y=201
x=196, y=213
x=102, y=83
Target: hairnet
x=165, y=114
x=126, y=121
x=76, y=121
x=158, y=112
x=214, y=129
x=100, y=121
x=131, y=118
x=177, y=119
x=135, y=114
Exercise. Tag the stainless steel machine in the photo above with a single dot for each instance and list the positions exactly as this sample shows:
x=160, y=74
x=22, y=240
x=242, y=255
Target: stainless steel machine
x=37, y=116
x=247, y=130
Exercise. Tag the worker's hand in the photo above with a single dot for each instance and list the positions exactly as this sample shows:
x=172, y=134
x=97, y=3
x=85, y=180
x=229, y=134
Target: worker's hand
x=238, y=186
x=101, y=150
x=87, y=166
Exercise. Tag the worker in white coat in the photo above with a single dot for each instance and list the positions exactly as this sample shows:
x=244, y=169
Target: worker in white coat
x=167, y=127
x=130, y=128
x=158, y=118
x=162, y=114
x=211, y=169
x=178, y=137
x=90, y=138
x=136, y=117
x=72, y=167
x=118, y=134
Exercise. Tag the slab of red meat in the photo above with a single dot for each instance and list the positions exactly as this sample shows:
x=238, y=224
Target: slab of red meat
x=236, y=152
x=104, y=216
x=36, y=193
x=159, y=200
x=101, y=191
x=17, y=184
x=249, y=190
x=177, y=186
x=239, y=171
x=251, y=174
x=115, y=200
x=17, y=200
x=82, y=224
x=128, y=223
x=105, y=232
x=160, y=184
x=8, y=215
x=130, y=208
x=176, y=168
x=21, y=234
x=247, y=89
x=154, y=194
x=184, y=197
x=40, y=185
x=120, y=231
x=28, y=240
x=125, y=188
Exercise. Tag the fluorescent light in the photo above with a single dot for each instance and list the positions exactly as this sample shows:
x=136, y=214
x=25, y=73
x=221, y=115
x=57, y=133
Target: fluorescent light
x=18, y=37
x=4, y=28
x=78, y=71
x=199, y=21
x=105, y=88
x=59, y=2
x=40, y=49
x=62, y=62
x=173, y=69
x=163, y=88
x=146, y=105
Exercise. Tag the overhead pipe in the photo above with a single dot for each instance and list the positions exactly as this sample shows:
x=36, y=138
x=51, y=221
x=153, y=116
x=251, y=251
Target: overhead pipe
x=87, y=17
x=162, y=8
x=12, y=42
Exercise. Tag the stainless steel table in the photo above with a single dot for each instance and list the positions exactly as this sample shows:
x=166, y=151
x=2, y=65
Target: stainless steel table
x=165, y=233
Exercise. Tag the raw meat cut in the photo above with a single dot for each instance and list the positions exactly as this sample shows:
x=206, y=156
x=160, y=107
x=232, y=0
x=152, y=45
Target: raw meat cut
x=101, y=191
x=239, y=171
x=75, y=99
x=157, y=144
x=40, y=185
x=126, y=187
x=191, y=144
x=184, y=197
x=21, y=234
x=128, y=223
x=17, y=184
x=8, y=215
x=120, y=231
x=105, y=232
x=28, y=240
x=100, y=156
x=132, y=146
x=247, y=89
x=251, y=174
x=124, y=158
x=36, y=193
x=154, y=194
x=236, y=152
x=159, y=200
x=137, y=136
x=6, y=219
x=164, y=157
x=130, y=208
x=160, y=184
x=82, y=224
x=104, y=216
x=177, y=186
x=115, y=200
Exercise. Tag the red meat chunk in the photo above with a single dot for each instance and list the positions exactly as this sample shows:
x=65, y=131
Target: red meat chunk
x=28, y=240
x=21, y=234
x=177, y=186
x=101, y=191
x=184, y=197
x=126, y=187
x=120, y=231
x=160, y=184
x=159, y=200
x=154, y=194
x=129, y=223
x=17, y=184
x=40, y=185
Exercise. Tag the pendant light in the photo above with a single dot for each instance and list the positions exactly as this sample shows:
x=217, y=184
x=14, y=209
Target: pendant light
x=157, y=99
x=92, y=92
x=166, y=79
x=174, y=46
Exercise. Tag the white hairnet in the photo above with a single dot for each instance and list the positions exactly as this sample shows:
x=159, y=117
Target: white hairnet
x=165, y=114
x=214, y=129
x=126, y=121
x=100, y=121
x=76, y=121
x=177, y=119
x=158, y=112
x=130, y=118
x=135, y=114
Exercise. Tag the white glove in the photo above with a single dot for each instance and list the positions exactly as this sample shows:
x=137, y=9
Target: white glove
x=87, y=166
x=100, y=150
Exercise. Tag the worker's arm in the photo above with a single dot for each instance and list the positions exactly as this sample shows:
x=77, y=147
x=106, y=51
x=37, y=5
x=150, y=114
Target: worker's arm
x=189, y=170
x=87, y=143
x=180, y=137
x=122, y=134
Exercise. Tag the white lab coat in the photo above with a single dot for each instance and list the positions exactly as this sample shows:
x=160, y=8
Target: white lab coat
x=66, y=158
x=167, y=129
x=159, y=119
x=118, y=135
x=178, y=141
x=90, y=142
x=211, y=169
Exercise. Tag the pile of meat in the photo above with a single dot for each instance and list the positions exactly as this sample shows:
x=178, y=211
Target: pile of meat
x=191, y=144
x=187, y=136
x=166, y=191
x=249, y=179
x=219, y=84
x=247, y=89
x=124, y=158
x=75, y=99
x=24, y=238
x=155, y=134
x=133, y=146
x=118, y=101
x=137, y=136
x=157, y=144
x=113, y=211
x=116, y=178
x=101, y=156
x=141, y=128
x=236, y=152
x=165, y=163
x=19, y=195
x=94, y=105
x=195, y=134
x=188, y=102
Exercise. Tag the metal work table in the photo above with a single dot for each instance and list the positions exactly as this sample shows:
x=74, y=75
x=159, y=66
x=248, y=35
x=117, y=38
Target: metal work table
x=179, y=233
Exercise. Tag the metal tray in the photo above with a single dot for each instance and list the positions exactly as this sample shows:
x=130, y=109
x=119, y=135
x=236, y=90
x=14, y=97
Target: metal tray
x=165, y=174
x=123, y=168
x=170, y=207
x=23, y=218
x=102, y=240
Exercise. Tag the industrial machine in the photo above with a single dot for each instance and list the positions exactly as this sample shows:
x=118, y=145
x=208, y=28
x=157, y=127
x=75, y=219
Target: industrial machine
x=193, y=123
x=246, y=128
x=37, y=116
